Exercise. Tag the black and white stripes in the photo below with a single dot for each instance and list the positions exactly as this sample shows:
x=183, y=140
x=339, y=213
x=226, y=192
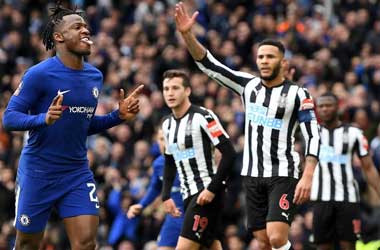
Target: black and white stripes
x=191, y=140
x=333, y=178
x=272, y=116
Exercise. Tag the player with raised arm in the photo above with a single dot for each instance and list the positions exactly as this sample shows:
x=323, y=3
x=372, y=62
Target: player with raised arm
x=56, y=102
x=274, y=108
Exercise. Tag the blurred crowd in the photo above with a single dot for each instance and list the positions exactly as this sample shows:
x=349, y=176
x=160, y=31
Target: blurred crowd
x=333, y=45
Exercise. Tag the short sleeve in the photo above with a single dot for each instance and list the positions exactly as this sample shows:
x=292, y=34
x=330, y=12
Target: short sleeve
x=361, y=143
x=213, y=128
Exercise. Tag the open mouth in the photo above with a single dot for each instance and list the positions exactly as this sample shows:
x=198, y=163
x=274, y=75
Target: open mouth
x=87, y=40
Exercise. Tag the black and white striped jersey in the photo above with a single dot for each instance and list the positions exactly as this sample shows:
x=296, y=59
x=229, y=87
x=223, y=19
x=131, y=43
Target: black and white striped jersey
x=271, y=118
x=191, y=140
x=333, y=178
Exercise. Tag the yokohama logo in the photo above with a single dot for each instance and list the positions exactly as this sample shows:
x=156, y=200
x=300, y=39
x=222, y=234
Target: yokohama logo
x=81, y=109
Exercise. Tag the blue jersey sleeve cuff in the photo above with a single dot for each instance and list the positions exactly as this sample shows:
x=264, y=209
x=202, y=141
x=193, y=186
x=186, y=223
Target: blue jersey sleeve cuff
x=41, y=120
x=115, y=116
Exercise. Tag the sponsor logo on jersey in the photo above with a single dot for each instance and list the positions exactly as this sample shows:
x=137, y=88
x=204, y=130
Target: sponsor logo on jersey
x=327, y=154
x=88, y=111
x=307, y=104
x=214, y=129
x=25, y=220
x=257, y=114
x=180, y=155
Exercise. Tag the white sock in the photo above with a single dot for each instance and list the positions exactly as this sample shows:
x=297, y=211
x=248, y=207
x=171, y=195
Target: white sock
x=284, y=247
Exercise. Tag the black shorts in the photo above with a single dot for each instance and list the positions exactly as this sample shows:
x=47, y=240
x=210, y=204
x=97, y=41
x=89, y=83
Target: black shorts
x=202, y=224
x=336, y=221
x=269, y=199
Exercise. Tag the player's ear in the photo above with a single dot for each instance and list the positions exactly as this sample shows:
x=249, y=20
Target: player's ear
x=58, y=37
x=285, y=63
x=188, y=91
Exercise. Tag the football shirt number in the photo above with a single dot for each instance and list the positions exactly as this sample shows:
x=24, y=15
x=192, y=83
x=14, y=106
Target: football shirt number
x=92, y=194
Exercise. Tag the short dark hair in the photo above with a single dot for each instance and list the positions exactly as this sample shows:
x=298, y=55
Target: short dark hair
x=330, y=94
x=273, y=42
x=58, y=12
x=171, y=73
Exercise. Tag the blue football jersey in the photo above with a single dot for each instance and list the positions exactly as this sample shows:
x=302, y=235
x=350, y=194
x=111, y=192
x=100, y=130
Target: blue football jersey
x=61, y=147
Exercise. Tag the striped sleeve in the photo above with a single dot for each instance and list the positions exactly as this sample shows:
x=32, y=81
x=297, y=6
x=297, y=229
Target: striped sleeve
x=234, y=80
x=308, y=122
x=165, y=130
x=361, y=143
x=211, y=125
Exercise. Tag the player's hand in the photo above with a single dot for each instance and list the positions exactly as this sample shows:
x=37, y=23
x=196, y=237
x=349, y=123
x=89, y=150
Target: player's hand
x=129, y=106
x=134, y=210
x=205, y=197
x=182, y=19
x=303, y=189
x=170, y=208
x=55, y=110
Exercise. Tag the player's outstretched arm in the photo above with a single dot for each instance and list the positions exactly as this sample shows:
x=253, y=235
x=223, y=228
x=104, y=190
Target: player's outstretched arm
x=225, y=76
x=16, y=115
x=184, y=23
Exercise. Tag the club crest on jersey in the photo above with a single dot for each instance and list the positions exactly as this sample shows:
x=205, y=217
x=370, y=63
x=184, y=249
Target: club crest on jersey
x=307, y=104
x=25, y=220
x=282, y=101
x=17, y=91
x=95, y=92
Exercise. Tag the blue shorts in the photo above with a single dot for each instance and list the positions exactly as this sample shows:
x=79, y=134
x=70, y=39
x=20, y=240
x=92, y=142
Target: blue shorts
x=72, y=194
x=170, y=231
